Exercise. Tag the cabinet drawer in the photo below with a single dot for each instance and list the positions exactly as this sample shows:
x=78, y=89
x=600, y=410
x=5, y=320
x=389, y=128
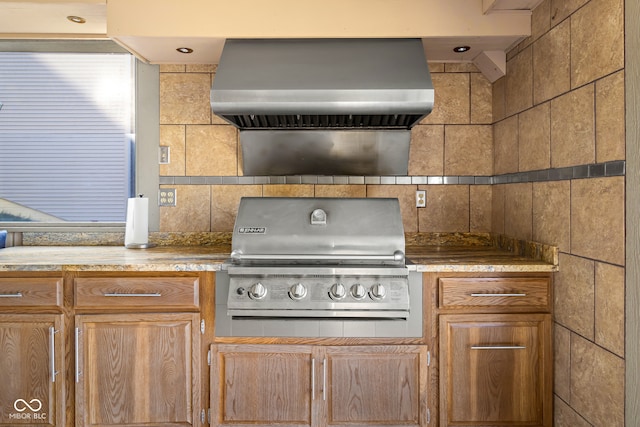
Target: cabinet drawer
x=141, y=292
x=521, y=292
x=31, y=292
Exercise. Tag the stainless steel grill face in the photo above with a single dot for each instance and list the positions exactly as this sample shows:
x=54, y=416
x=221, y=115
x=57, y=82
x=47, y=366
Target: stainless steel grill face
x=319, y=260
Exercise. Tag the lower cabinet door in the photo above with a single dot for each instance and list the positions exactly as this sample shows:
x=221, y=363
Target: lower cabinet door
x=301, y=386
x=32, y=372
x=138, y=369
x=375, y=385
x=262, y=385
x=494, y=370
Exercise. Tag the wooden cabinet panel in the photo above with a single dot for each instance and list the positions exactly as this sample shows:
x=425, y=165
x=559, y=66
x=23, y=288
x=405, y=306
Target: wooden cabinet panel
x=509, y=292
x=381, y=385
x=31, y=292
x=261, y=384
x=32, y=348
x=495, y=370
x=176, y=293
x=316, y=386
x=138, y=369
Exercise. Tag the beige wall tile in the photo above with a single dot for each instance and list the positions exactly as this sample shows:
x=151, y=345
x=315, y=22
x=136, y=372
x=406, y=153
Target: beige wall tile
x=340, y=190
x=192, y=210
x=201, y=68
x=562, y=362
x=184, y=98
x=426, y=155
x=225, y=200
x=497, y=208
x=173, y=136
x=481, y=102
x=505, y=146
x=534, y=138
x=552, y=213
x=610, y=126
x=468, y=150
x=498, y=99
x=573, y=128
x=551, y=64
x=541, y=19
x=610, y=307
x=601, y=21
x=451, y=102
x=435, y=67
x=211, y=150
x=172, y=68
x=574, y=295
x=480, y=208
x=406, y=195
x=518, y=211
x=447, y=209
x=561, y=9
x=597, y=219
x=519, y=85
x=460, y=67
x=597, y=383
x=565, y=416
x=288, y=190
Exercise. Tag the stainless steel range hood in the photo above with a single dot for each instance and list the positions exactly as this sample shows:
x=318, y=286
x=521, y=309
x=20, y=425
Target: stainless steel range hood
x=332, y=106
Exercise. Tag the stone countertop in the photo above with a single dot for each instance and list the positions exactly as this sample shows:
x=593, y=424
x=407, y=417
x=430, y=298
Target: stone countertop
x=424, y=258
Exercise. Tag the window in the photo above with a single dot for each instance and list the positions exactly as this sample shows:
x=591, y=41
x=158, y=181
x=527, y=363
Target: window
x=69, y=136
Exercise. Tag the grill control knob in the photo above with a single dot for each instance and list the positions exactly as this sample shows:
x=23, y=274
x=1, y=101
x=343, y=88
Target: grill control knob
x=358, y=291
x=298, y=291
x=377, y=292
x=257, y=291
x=337, y=291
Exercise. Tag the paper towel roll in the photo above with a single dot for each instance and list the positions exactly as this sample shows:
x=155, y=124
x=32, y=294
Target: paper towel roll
x=136, y=233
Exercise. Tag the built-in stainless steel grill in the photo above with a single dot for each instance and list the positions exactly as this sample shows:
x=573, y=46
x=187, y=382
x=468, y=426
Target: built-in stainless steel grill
x=318, y=266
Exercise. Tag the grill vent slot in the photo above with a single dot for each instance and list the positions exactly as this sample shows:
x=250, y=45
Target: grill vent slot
x=320, y=121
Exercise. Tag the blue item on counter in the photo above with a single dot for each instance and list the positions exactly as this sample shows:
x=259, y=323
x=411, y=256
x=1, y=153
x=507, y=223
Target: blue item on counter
x=3, y=238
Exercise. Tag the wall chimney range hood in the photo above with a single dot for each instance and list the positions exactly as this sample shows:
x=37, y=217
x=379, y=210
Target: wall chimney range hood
x=323, y=106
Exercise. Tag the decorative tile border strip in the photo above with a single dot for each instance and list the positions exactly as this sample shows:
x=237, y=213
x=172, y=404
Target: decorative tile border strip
x=596, y=170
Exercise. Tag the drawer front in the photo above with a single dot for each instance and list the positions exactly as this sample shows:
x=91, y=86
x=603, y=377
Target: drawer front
x=140, y=292
x=31, y=292
x=522, y=292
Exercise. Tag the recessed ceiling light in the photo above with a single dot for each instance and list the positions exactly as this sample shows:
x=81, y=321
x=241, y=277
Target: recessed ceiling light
x=76, y=19
x=461, y=49
x=184, y=50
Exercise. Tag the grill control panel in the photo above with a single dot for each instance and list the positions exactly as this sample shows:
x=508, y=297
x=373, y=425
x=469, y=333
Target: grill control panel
x=318, y=296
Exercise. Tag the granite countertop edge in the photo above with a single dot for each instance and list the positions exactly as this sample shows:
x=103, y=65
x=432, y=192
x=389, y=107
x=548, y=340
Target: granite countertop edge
x=426, y=252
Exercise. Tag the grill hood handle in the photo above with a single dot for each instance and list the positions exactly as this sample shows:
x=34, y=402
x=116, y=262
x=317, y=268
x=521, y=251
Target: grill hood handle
x=238, y=256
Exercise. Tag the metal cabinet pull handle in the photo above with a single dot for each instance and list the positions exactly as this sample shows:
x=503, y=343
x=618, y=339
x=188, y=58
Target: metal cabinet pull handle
x=313, y=379
x=52, y=352
x=498, y=295
x=498, y=347
x=120, y=294
x=324, y=379
x=77, y=355
x=13, y=295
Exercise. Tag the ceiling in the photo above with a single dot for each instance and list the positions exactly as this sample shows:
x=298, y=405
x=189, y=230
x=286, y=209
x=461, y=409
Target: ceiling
x=489, y=27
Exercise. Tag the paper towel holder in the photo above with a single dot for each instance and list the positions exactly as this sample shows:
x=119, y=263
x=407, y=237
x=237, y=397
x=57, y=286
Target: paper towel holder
x=137, y=245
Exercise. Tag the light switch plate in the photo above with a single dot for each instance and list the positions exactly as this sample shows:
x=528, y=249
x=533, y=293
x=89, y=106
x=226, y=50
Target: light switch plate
x=421, y=198
x=164, y=155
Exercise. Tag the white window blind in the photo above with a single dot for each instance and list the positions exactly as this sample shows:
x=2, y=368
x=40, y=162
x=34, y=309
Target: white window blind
x=66, y=135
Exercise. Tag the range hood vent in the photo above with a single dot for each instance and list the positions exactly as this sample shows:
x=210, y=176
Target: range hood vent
x=322, y=84
x=323, y=106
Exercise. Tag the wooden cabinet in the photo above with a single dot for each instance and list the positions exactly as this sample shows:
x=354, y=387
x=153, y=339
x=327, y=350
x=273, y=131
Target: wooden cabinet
x=32, y=352
x=495, y=351
x=137, y=369
x=134, y=366
x=298, y=385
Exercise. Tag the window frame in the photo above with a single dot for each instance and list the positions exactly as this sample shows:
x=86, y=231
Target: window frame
x=147, y=133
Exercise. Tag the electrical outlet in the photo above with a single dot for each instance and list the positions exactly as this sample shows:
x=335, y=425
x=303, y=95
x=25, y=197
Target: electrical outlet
x=421, y=198
x=164, y=155
x=167, y=197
